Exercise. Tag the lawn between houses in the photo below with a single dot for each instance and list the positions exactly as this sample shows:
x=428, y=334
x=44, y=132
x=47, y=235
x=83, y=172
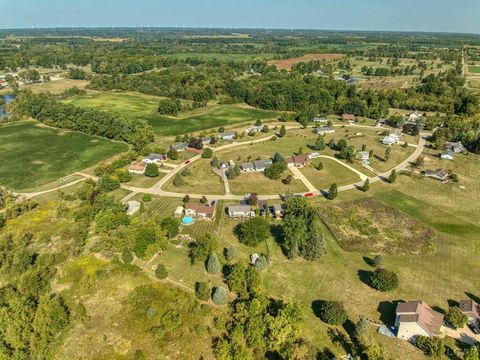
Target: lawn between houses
x=35, y=154
x=145, y=107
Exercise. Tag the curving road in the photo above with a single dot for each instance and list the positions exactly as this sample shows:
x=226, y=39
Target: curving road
x=157, y=188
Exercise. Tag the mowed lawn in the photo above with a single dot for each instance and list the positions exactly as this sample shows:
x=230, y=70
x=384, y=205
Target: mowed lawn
x=33, y=154
x=332, y=172
x=144, y=107
x=257, y=182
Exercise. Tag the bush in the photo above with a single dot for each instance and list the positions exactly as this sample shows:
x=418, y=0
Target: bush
x=186, y=172
x=169, y=106
x=431, y=346
x=161, y=271
x=171, y=226
x=220, y=296
x=332, y=192
x=127, y=257
x=288, y=179
x=178, y=181
x=172, y=154
x=231, y=254
x=213, y=265
x=384, y=280
x=207, y=153
x=123, y=175
x=253, y=231
x=276, y=170
x=147, y=197
x=455, y=317
x=202, y=290
x=151, y=170
x=332, y=312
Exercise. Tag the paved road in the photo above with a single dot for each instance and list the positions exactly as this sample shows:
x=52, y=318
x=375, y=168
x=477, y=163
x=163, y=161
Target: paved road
x=157, y=188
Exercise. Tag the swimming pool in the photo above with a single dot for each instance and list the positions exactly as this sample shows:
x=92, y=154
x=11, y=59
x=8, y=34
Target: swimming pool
x=188, y=220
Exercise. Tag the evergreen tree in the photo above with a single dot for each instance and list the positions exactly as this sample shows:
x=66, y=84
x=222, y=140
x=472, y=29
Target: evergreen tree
x=283, y=131
x=320, y=143
x=213, y=265
x=151, y=170
x=333, y=191
x=161, y=272
x=388, y=152
x=178, y=180
x=393, y=176
x=220, y=296
x=215, y=163
x=366, y=185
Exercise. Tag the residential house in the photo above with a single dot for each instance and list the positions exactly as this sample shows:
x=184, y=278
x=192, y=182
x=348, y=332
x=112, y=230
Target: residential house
x=411, y=129
x=261, y=165
x=133, y=207
x=454, y=146
x=416, y=115
x=438, y=174
x=198, y=211
x=228, y=136
x=363, y=156
x=254, y=258
x=277, y=211
x=180, y=147
x=253, y=129
x=247, y=167
x=240, y=211
x=322, y=120
x=314, y=155
x=447, y=155
x=471, y=309
x=262, y=205
x=137, y=168
x=154, y=158
x=322, y=130
x=390, y=139
x=348, y=117
x=178, y=212
x=206, y=140
x=300, y=160
x=414, y=318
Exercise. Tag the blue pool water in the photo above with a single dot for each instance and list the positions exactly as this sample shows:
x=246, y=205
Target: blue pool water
x=187, y=220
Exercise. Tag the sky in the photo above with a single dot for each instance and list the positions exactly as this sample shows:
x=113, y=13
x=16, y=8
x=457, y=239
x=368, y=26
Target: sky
x=386, y=15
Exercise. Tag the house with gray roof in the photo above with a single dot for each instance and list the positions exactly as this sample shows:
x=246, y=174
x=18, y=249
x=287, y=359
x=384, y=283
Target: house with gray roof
x=323, y=120
x=454, y=146
x=206, y=140
x=438, y=174
x=253, y=129
x=154, y=158
x=261, y=165
x=247, y=167
x=180, y=147
x=228, y=136
x=322, y=130
x=240, y=211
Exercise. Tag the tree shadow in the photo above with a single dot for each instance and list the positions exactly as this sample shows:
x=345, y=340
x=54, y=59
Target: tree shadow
x=340, y=338
x=387, y=310
x=452, y=303
x=325, y=354
x=439, y=309
x=277, y=232
x=369, y=261
x=365, y=276
x=316, y=306
x=473, y=297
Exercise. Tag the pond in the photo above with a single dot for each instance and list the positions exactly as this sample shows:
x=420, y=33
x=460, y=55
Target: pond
x=6, y=99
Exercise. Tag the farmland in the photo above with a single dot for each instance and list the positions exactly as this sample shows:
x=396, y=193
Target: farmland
x=145, y=107
x=38, y=155
x=288, y=63
x=330, y=173
x=259, y=183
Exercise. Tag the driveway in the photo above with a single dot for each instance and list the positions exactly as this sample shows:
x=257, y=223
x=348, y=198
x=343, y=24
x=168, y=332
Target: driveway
x=464, y=334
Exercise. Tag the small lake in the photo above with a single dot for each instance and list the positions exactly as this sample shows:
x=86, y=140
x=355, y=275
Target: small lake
x=6, y=100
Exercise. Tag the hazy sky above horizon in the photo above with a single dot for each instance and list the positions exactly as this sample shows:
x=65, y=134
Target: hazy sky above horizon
x=400, y=15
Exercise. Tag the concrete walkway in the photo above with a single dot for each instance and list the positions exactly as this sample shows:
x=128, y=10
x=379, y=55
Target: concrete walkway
x=297, y=174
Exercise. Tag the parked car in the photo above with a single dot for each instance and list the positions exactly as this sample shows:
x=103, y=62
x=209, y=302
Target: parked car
x=213, y=203
x=309, y=194
x=187, y=162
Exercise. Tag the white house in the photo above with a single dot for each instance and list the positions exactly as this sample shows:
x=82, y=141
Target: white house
x=227, y=135
x=261, y=165
x=247, y=167
x=456, y=147
x=363, y=156
x=154, y=158
x=253, y=129
x=322, y=120
x=178, y=212
x=240, y=211
x=313, y=155
x=413, y=117
x=206, y=140
x=180, y=147
x=447, y=155
x=133, y=207
x=416, y=318
x=390, y=139
x=137, y=168
x=322, y=130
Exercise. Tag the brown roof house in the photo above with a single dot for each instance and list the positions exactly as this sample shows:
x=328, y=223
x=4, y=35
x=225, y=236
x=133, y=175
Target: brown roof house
x=471, y=309
x=198, y=211
x=349, y=117
x=137, y=168
x=298, y=160
x=414, y=318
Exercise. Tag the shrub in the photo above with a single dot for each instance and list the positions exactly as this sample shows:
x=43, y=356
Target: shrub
x=288, y=179
x=276, y=170
x=127, y=257
x=366, y=185
x=332, y=312
x=171, y=226
x=172, y=154
x=161, y=271
x=431, y=346
x=220, y=296
x=151, y=170
x=213, y=265
x=147, y=198
x=332, y=192
x=393, y=176
x=207, y=153
x=202, y=290
x=455, y=317
x=178, y=181
x=384, y=280
x=230, y=253
x=123, y=175
x=186, y=172
x=109, y=183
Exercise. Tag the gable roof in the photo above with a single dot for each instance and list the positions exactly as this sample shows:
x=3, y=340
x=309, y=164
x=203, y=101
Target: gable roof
x=260, y=164
x=469, y=306
x=200, y=209
x=348, y=116
x=419, y=312
x=239, y=208
x=247, y=166
x=154, y=156
x=300, y=159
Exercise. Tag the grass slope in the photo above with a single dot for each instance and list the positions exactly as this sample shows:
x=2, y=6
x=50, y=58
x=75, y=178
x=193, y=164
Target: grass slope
x=145, y=107
x=35, y=154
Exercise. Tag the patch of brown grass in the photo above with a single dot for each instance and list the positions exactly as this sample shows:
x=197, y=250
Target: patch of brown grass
x=288, y=63
x=370, y=226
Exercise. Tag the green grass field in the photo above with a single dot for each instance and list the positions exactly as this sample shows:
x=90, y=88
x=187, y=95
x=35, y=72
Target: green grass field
x=145, y=107
x=262, y=185
x=332, y=172
x=474, y=69
x=34, y=154
x=220, y=56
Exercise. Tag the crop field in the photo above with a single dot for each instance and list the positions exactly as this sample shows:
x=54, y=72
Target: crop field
x=145, y=107
x=222, y=57
x=57, y=86
x=288, y=63
x=159, y=207
x=332, y=172
x=474, y=69
x=202, y=180
x=36, y=154
x=262, y=185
